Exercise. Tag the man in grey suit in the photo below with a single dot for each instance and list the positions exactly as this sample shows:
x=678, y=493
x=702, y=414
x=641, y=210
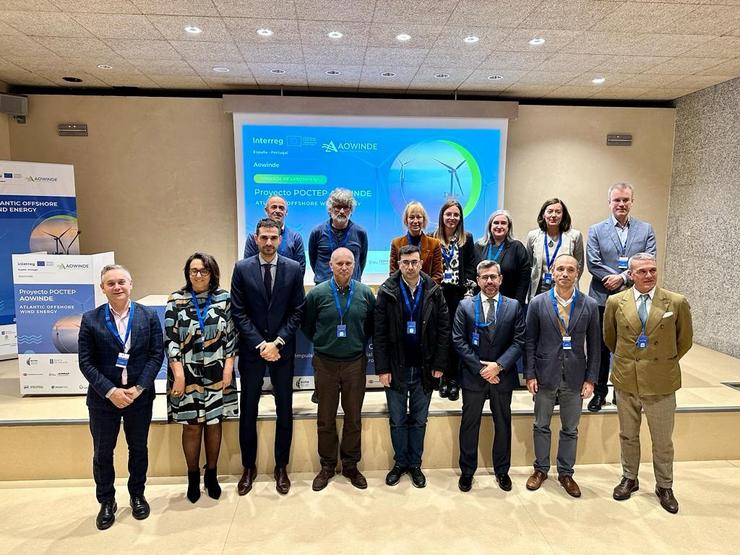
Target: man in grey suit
x=563, y=346
x=610, y=244
x=488, y=334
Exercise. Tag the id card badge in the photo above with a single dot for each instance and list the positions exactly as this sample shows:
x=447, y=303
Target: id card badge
x=341, y=330
x=411, y=327
x=122, y=360
x=547, y=278
x=623, y=263
x=475, y=338
x=642, y=342
x=447, y=275
x=567, y=344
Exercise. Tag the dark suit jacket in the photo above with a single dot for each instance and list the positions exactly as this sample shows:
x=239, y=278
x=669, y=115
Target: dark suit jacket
x=546, y=360
x=431, y=255
x=98, y=352
x=258, y=321
x=503, y=343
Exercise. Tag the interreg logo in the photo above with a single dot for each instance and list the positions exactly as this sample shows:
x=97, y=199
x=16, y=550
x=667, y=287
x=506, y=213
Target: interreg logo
x=349, y=146
x=41, y=179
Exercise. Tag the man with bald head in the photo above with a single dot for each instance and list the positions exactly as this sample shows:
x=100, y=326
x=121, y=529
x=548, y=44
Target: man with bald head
x=339, y=321
x=563, y=345
x=291, y=242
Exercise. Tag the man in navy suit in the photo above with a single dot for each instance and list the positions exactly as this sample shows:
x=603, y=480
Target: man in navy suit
x=120, y=352
x=267, y=302
x=609, y=247
x=488, y=334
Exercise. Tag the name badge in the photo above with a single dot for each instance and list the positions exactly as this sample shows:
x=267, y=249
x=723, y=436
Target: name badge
x=475, y=338
x=447, y=275
x=642, y=342
x=623, y=263
x=411, y=327
x=547, y=278
x=567, y=344
x=341, y=330
x=122, y=360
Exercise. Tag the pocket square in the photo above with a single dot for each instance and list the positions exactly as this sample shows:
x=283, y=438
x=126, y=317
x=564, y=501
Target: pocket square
x=668, y=314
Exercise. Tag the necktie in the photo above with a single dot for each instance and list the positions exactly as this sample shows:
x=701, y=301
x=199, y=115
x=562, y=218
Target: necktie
x=268, y=281
x=491, y=316
x=642, y=312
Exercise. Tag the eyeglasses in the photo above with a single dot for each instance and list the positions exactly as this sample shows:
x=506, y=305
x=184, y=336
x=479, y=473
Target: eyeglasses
x=204, y=272
x=410, y=263
x=646, y=272
x=341, y=208
x=489, y=277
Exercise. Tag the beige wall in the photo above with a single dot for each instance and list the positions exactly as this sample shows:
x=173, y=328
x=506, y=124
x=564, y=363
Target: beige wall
x=155, y=178
x=4, y=137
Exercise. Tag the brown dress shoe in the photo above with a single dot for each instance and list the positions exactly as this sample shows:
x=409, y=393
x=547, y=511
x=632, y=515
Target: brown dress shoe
x=569, y=485
x=667, y=501
x=535, y=480
x=625, y=489
x=282, y=482
x=322, y=478
x=355, y=477
x=244, y=486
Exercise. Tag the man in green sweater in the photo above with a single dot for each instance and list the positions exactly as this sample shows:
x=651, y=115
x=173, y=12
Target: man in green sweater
x=338, y=319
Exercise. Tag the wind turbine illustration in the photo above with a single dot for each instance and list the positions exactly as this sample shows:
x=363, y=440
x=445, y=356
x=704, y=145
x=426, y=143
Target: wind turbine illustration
x=402, y=176
x=58, y=240
x=453, y=176
x=66, y=249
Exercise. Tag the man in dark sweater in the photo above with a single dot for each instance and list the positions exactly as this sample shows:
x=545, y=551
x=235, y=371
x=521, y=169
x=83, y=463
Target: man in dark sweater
x=339, y=321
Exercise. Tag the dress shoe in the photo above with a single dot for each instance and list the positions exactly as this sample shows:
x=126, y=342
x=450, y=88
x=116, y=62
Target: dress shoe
x=454, y=391
x=595, y=404
x=417, y=477
x=355, y=477
x=315, y=397
x=535, y=480
x=394, y=476
x=504, y=482
x=625, y=489
x=139, y=507
x=667, y=501
x=322, y=478
x=444, y=388
x=465, y=482
x=282, y=482
x=244, y=486
x=569, y=485
x=193, y=485
x=210, y=481
x=107, y=515
x=614, y=398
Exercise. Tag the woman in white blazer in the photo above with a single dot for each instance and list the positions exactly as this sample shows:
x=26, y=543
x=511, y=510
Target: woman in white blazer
x=554, y=237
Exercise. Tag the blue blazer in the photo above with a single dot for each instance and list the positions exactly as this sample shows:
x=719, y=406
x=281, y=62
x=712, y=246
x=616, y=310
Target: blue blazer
x=291, y=245
x=98, y=352
x=255, y=318
x=604, y=249
x=503, y=343
x=546, y=360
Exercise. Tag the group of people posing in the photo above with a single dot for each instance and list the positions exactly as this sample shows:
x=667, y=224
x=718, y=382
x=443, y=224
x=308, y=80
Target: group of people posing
x=454, y=315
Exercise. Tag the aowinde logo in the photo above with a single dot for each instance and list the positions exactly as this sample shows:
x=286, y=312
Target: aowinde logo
x=349, y=146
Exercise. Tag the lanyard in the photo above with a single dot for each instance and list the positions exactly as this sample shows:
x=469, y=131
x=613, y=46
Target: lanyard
x=449, y=253
x=557, y=312
x=555, y=254
x=498, y=252
x=330, y=233
x=335, y=292
x=479, y=309
x=417, y=298
x=202, y=315
x=114, y=330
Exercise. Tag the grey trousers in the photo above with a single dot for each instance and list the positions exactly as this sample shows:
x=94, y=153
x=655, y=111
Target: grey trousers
x=570, y=414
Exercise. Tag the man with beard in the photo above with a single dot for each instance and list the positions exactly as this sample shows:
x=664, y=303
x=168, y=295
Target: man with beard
x=291, y=242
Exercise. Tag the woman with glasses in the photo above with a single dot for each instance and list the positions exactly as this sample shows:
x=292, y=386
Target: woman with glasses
x=200, y=340
x=415, y=219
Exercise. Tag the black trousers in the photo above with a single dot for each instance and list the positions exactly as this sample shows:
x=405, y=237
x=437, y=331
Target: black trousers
x=252, y=374
x=105, y=425
x=453, y=294
x=500, y=403
x=601, y=387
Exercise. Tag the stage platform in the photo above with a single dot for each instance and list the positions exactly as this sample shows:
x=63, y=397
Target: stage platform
x=48, y=437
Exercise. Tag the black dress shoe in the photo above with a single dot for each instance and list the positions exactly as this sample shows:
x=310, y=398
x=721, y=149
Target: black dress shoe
x=667, y=500
x=244, y=486
x=210, y=481
x=596, y=403
x=504, y=482
x=444, y=388
x=193, y=485
x=315, y=397
x=282, y=482
x=107, y=515
x=394, y=476
x=454, y=391
x=417, y=477
x=139, y=507
x=465, y=482
x=625, y=488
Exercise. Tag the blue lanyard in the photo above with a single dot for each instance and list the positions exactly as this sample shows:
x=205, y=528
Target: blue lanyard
x=283, y=241
x=114, y=330
x=555, y=254
x=479, y=309
x=498, y=252
x=335, y=292
x=330, y=234
x=201, y=315
x=417, y=298
x=449, y=253
x=557, y=312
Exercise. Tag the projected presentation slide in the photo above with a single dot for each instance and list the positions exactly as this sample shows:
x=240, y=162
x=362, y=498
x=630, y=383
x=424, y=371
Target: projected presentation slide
x=386, y=165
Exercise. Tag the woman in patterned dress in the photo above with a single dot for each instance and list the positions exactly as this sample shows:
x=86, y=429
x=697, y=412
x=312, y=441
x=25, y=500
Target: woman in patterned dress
x=200, y=340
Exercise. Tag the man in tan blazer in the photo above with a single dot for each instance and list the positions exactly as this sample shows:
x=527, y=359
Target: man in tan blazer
x=648, y=330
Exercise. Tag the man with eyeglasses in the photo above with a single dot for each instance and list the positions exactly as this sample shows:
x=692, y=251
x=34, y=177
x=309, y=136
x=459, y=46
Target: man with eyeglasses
x=610, y=244
x=412, y=333
x=291, y=242
x=488, y=334
x=649, y=330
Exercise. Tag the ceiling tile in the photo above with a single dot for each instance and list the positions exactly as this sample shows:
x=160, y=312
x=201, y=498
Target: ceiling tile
x=498, y=13
x=372, y=78
x=654, y=44
x=118, y=26
x=571, y=92
x=176, y=7
x=384, y=35
x=341, y=55
x=479, y=80
x=236, y=69
x=245, y=30
x=164, y=67
x=177, y=82
x=144, y=49
x=425, y=78
x=604, y=42
x=527, y=91
x=643, y=17
x=547, y=78
x=612, y=79
x=139, y=81
x=452, y=37
x=730, y=68
x=700, y=81
x=22, y=77
x=335, y=11
x=173, y=27
x=317, y=76
x=563, y=61
x=720, y=47
x=630, y=64
x=514, y=60
x=650, y=80
x=206, y=51
x=96, y=6
x=453, y=58
x=425, y=12
x=620, y=93
x=75, y=47
x=706, y=20
x=238, y=82
x=87, y=80
x=315, y=33
x=6, y=29
x=28, y=5
x=48, y=24
x=574, y=15
x=295, y=74
x=375, y=56
x=664, y=94
x=518, y=40
x=266, y=53
x=256, y=8
x=685, y=66
x=20, y=46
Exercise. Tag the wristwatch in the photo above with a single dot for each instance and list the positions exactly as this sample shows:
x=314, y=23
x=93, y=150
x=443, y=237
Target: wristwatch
x=139, y=388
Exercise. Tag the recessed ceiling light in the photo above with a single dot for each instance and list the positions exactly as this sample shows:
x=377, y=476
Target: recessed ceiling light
x=72, y=79
x=403, y=37
x=387, y=74
x=495, y=77
x=470, y=39
x=333, y=72
x=277, y=71
x=442, y=75
x=221, y=69
x=104, y=66
x=537, y=41
x=598, y=80
x=264, y=32
x=334, y=35
x=193, y=29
